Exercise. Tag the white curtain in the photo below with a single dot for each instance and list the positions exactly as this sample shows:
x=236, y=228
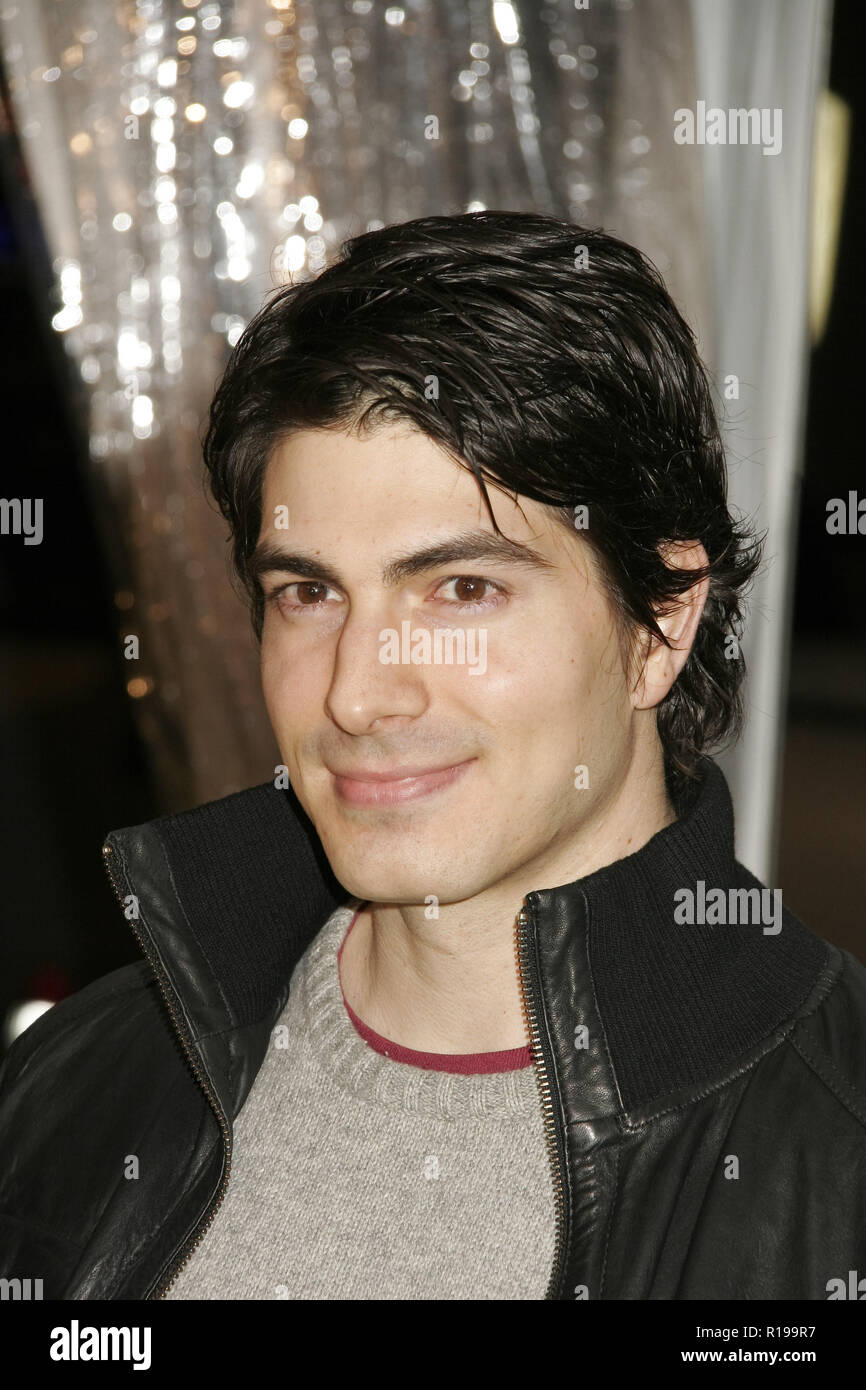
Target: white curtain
x=772, y=55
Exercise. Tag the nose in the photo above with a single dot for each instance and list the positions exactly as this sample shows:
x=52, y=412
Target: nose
x=367, y=692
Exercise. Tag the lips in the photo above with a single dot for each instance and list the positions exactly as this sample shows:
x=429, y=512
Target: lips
x=369, y=788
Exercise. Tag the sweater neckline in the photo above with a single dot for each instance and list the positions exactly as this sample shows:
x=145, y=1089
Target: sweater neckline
x=463, y=1063
x=349, y=1061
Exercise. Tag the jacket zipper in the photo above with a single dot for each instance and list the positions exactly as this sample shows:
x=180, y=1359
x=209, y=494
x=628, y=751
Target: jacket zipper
x=527, y=972
x=169, y=1275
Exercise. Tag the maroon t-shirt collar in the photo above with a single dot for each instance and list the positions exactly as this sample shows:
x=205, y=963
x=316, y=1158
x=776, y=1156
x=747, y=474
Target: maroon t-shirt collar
x=466, y=1063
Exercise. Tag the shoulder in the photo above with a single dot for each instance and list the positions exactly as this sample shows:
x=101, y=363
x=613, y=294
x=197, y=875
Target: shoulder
x=100, y=1004
x=99, y=1079
x=830, y=1036
x=827, y=1026
x=114, y=1032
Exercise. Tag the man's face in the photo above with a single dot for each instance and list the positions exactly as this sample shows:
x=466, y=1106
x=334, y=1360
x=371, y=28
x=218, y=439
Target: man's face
x=549, y=695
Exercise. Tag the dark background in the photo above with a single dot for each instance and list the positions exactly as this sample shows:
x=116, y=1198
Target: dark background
x=71, y=762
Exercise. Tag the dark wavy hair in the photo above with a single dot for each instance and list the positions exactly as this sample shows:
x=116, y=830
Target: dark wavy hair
x=563, y=372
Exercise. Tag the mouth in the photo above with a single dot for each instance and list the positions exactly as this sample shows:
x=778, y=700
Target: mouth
x=388, y=789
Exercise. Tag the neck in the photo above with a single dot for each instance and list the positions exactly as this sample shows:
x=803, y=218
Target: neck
x=451, y=984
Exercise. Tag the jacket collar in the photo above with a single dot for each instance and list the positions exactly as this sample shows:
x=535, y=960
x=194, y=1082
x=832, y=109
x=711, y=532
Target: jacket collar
x=229, y=895
x=677, y=1003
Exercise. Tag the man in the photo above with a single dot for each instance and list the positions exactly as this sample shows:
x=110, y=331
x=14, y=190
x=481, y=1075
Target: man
x=473, y=998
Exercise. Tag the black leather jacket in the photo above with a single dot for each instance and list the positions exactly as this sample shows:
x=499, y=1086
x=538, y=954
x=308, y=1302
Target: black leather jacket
x=702, y=1087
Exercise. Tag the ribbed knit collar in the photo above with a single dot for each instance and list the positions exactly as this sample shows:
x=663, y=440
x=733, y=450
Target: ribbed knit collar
x=678, y=1002
x=381, y=1081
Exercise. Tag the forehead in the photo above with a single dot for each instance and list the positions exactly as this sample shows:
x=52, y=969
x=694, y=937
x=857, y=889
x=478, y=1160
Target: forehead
x=394, y=486
x=392, y=465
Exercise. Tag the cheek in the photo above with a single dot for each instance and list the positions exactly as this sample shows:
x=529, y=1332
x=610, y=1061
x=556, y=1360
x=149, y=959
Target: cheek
x=280, y=686
x=536, y=699
x=545, y=670
x=564, y=690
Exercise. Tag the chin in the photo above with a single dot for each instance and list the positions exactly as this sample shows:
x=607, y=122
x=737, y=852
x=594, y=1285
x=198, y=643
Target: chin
x=382, y=887
x=404, y=884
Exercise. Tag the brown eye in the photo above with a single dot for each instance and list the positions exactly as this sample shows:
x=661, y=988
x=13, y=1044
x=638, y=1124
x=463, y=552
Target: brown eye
x=471, y=593
x=310, y=584
x=467, y=589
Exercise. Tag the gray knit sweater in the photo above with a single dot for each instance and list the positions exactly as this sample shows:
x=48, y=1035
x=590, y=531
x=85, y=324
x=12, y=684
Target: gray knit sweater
x=358, y=1176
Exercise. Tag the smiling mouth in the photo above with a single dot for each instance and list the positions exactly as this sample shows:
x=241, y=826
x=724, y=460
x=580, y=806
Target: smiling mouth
x=376, y=789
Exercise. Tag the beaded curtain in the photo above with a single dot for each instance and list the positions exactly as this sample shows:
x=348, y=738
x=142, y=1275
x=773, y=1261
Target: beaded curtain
x=189, y=156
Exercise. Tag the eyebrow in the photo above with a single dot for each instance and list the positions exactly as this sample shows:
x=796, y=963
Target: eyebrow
x=269, y=558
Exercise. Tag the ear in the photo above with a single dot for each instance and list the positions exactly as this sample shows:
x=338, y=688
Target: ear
x=663, y=664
